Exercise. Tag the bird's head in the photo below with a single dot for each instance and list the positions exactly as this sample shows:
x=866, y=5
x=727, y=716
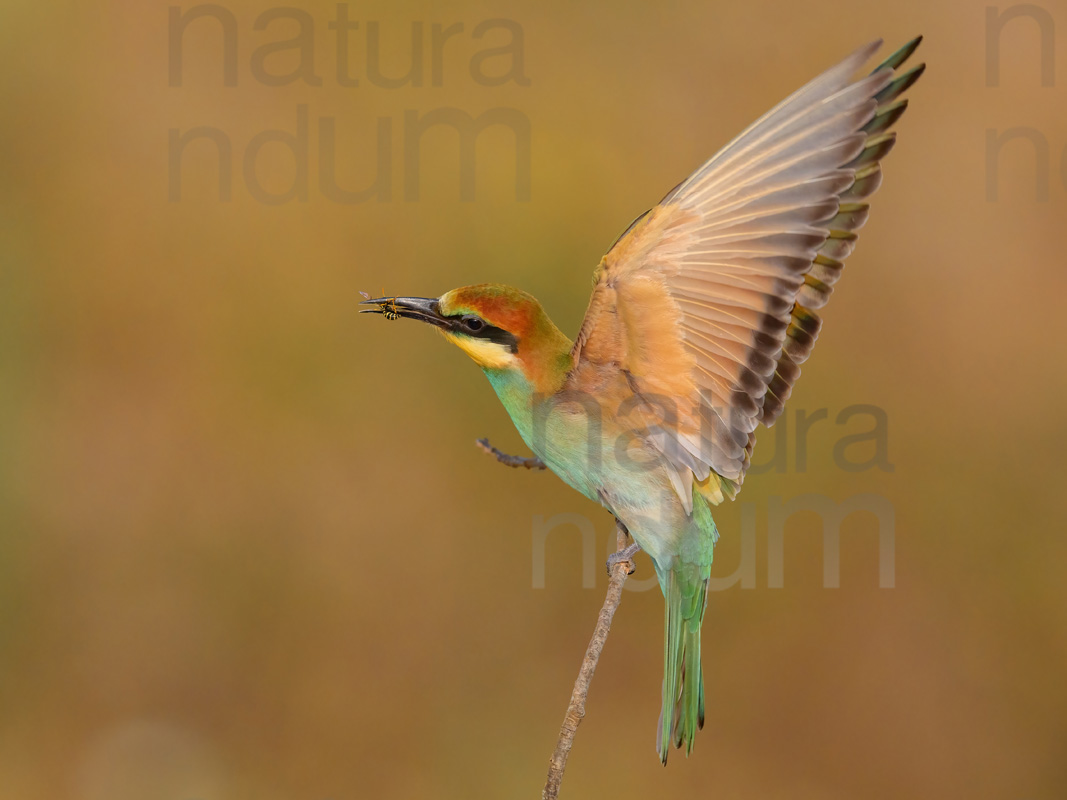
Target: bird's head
x=500, y=328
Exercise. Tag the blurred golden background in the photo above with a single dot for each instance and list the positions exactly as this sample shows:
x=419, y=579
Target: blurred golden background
x=249, y=549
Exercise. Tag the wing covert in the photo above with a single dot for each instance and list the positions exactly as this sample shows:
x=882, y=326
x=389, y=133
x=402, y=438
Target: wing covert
x=706, y=304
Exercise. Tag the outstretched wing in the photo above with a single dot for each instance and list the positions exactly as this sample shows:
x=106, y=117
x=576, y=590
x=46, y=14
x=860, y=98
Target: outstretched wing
x=706, y=305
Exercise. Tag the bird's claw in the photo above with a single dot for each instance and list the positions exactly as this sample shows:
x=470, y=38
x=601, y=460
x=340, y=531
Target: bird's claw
x=626, y=554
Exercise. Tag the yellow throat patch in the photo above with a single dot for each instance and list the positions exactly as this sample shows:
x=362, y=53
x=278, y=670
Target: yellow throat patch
x=486, y=354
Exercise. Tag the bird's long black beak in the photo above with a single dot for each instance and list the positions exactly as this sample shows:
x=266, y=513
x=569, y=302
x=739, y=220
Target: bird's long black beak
x=425, y=309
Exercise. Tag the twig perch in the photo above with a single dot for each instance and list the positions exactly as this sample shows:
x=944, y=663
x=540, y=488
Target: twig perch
x=618, y=571
x=576, y=709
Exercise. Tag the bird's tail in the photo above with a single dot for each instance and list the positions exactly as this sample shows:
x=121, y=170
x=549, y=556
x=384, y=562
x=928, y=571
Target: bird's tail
x=682, y=714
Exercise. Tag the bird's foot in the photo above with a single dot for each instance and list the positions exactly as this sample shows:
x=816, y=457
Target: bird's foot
x=626, y=554
x=531, y=462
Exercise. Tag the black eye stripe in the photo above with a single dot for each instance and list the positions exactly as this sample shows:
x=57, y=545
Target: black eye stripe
x=460, y=324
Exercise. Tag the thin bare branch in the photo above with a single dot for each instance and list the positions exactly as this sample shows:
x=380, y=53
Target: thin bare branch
x=619, y=571
x=533, y=462
x=620, y=566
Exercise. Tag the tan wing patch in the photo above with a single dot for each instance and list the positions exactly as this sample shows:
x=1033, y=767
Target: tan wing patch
x=705, y=304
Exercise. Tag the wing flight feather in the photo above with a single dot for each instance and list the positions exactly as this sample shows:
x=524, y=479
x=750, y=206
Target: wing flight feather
x=707, y=303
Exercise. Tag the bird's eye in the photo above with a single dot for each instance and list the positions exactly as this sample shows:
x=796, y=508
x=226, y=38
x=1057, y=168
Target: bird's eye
x=473, y=323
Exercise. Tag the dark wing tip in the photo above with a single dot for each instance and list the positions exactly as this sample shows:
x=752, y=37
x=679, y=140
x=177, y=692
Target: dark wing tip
x=900, y=56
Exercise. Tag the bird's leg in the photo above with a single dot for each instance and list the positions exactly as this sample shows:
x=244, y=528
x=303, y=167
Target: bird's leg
x=626, y=554
x=533, y=462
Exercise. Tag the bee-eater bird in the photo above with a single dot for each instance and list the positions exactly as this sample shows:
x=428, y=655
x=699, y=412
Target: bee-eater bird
x=701, y=313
